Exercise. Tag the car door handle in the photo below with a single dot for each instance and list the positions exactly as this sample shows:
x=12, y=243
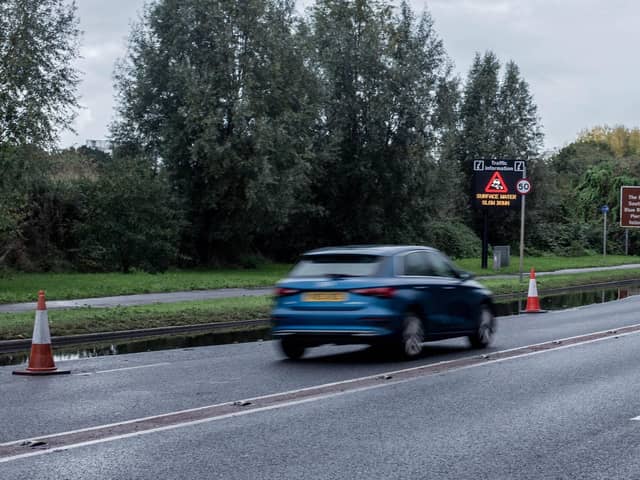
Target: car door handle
x=420, y=288
x=449, y=288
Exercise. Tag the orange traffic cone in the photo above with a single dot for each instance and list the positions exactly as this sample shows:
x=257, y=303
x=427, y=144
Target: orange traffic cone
x=41, y=358
x=533, y=302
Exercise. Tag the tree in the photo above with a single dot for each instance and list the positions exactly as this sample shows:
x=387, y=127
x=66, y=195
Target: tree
x=219, y=94
x=38, y=44
x=129, y=218
x=381, y=72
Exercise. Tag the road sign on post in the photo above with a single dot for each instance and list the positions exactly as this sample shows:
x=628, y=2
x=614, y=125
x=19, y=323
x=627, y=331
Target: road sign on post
x=630, y=207
x=495, y=188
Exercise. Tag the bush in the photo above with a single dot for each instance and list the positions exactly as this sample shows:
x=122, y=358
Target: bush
x=453, y=238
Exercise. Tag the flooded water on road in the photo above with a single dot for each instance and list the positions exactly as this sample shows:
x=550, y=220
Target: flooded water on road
x=550, y=302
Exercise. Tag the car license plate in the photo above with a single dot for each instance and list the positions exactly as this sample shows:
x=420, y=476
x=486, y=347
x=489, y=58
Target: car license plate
x=324, y=297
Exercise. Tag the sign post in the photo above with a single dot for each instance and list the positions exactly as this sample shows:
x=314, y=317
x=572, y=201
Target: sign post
x=524, y=187
x=604, y=209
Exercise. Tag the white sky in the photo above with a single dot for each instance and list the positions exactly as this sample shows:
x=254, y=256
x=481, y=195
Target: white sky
x=579, y=56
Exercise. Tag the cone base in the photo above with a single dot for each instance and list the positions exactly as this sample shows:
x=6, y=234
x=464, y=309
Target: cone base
x=42, y=372
x=534, y=311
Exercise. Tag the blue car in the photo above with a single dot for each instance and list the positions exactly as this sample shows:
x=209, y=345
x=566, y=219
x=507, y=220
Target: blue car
x=400, y=296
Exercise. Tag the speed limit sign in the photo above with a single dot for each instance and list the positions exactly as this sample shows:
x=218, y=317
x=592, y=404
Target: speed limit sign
x=523, y=186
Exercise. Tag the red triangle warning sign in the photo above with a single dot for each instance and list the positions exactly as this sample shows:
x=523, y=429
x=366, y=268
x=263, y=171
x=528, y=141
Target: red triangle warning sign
x=496, y=184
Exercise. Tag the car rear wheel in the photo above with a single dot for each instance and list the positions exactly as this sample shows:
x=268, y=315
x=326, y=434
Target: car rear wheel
x=412, y=336
x=292, y=348
x=483, y=335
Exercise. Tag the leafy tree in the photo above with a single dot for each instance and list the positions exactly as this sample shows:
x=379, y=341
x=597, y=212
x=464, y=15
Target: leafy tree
x=38, y=43
x=381, y=73
x=219, y=93
x=621, y=140
x=129, y=218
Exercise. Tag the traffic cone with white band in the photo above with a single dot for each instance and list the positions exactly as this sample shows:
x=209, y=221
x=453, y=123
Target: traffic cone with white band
x=533, y=302
x=41, y=358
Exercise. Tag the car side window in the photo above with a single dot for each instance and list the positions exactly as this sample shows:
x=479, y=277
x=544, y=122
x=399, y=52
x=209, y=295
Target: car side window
x=417, y=264
x=439, y=266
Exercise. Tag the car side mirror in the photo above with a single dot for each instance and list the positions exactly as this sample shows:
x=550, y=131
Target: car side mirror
x=462, y=275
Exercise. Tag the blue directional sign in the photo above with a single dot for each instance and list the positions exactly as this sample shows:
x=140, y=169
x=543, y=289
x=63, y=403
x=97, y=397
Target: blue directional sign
x=604, y=208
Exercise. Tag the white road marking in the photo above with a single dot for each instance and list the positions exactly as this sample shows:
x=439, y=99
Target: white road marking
x=291, y=402
x=133, y=368
x=636, y=418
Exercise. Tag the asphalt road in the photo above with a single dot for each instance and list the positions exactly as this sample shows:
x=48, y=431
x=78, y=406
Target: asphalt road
x=173, y=297
x=564, y=413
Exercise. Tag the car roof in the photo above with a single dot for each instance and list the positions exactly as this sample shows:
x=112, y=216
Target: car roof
x=379, y=250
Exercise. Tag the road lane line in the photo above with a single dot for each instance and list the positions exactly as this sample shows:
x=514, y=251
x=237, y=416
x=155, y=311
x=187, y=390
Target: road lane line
x=636, y=418
x=104, y=433
x=133, y=368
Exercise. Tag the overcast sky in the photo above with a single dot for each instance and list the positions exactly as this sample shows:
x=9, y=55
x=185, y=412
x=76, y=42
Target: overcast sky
x=579, y=56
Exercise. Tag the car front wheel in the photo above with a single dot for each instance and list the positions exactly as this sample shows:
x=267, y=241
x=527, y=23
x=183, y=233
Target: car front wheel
x=483, y=336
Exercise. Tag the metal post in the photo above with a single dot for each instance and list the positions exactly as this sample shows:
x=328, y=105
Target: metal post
x=604, y=235
x=522, y=207
x=485, y=239
x=626, y=241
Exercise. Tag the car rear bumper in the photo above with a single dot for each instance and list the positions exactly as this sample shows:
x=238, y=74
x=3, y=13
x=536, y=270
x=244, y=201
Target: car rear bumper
x=317, y=329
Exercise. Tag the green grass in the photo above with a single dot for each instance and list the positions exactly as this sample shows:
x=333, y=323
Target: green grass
x=91, y=320
x=499, y=286
x=23, y=287
x=546, y=263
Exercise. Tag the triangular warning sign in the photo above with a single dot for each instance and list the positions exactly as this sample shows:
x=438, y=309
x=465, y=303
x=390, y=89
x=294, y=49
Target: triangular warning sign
x=496, y=184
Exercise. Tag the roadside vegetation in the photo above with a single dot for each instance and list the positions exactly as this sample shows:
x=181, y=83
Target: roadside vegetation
x=18, y=287
x=91, y=320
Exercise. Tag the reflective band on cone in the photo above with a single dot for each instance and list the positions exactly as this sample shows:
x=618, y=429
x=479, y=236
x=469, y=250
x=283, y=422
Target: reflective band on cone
x=41, y=358
x=533, y=302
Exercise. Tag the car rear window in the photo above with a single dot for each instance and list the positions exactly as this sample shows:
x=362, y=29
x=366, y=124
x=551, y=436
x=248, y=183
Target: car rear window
x=341, y=265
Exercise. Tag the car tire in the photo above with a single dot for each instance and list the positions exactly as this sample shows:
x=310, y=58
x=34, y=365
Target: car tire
x=293, y=349
x=411, y=336
x=483, y=336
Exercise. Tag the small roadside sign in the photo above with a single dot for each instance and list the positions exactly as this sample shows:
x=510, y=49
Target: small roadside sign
x=630, y=207
x=523, y=186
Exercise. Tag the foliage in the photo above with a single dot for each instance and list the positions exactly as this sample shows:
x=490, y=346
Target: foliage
x=453, y=238
x=220, y=92
x=38, y=43
x=130, y=219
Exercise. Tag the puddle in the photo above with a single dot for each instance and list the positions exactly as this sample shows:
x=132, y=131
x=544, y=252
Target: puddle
x=143, y=345
x=570, y=300
x=553, y=302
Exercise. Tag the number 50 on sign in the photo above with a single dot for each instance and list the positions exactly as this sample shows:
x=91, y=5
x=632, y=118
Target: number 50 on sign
x=523, y=186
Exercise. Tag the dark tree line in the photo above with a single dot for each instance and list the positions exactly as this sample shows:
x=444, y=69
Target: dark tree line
x=245, y=129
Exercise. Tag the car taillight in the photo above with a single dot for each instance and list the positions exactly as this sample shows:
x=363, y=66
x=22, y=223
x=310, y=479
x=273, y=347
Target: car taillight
x=381, y=292
x=283, y=292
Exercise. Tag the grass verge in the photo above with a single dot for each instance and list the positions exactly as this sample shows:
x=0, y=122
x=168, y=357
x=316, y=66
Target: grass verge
x=23, y=287
x=547, y=263
x=92, y=320
x=510, y=285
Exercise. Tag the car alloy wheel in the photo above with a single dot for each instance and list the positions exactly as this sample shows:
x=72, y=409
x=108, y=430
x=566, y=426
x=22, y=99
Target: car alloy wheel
x=412, y=336
x=486, y=328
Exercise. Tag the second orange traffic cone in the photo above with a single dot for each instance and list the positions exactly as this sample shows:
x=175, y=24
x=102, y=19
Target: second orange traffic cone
x=533, y=302
x=41, y=358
